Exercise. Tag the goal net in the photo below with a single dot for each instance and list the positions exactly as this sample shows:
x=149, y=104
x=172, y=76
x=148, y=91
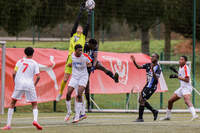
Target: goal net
x=129, y=102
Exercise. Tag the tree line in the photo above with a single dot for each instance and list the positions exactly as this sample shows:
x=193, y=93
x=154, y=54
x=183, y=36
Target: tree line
x=177, y=15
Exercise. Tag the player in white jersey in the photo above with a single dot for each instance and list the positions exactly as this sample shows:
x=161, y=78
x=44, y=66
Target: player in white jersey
x=78, y=81
x=23, y=76
x=184, y=91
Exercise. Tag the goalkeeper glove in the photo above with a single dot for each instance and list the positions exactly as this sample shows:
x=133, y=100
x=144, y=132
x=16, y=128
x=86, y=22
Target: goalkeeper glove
x=172, y=76
x=173, y=69
x=82, y=6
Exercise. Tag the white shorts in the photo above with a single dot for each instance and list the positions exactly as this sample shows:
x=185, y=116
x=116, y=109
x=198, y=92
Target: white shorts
x=31, y=95
x=75, y=83
x=180, y=92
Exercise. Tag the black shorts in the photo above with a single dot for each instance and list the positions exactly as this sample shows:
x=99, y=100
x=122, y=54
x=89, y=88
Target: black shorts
x=148, y=92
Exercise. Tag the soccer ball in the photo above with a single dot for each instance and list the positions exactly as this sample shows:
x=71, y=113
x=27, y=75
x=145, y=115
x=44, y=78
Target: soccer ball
x=90, y=4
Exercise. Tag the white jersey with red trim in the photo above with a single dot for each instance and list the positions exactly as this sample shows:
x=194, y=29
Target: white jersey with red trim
x=184, y=72
x=79, y=65
x=26, y=69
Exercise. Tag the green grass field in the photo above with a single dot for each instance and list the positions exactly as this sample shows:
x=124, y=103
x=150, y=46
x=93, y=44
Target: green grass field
x=108, y=46
x=102, y=123
x=116, y=101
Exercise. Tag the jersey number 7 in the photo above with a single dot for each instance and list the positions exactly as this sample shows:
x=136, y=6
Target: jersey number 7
x=26, y=66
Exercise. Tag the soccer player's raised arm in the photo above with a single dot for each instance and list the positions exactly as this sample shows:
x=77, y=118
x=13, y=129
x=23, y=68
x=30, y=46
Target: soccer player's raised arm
x=133, y=59
x=77, y=21
x=86, y=29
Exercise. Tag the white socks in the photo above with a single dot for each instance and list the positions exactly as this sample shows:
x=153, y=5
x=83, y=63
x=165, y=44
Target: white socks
x=10, y=113
x=35, y=115
x=83, y=106
x=68, y=105
x=78, y=108
x=168, y=113
x=192, y=111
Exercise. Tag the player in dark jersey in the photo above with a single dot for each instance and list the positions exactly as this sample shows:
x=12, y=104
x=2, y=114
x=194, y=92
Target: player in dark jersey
x=91, y=48
x=153, y=71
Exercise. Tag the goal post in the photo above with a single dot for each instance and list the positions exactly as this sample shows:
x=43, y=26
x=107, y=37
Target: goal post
x=3, y=65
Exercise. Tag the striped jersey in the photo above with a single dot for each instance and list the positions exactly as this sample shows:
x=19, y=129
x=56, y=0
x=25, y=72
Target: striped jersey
x=151, y=81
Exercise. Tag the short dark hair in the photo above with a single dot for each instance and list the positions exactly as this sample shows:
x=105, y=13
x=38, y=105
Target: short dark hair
x=185, y=57
x=78, y=46
x=29, y=51
x=93, y=42
x=157, y=55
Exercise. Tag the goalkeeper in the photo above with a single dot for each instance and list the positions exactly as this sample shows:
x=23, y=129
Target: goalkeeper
x=78, y=36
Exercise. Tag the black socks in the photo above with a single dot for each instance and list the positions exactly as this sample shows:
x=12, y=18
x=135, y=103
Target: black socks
x=141, y=111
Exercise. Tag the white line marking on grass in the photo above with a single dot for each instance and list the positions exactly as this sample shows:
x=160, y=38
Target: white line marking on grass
x=98, y=116
x=161, y=123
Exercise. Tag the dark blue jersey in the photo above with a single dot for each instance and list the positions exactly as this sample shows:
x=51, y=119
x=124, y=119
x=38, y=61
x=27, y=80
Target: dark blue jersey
x=151, y=81
x=90, y=51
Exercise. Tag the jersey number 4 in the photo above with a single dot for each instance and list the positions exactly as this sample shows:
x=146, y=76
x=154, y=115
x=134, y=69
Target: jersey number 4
x=26, y=66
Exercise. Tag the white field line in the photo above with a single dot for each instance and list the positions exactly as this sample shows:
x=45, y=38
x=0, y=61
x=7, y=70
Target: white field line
x=163, y=123
x=97, y=116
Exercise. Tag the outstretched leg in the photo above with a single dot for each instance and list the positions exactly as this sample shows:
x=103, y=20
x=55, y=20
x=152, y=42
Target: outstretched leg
x=115, y=77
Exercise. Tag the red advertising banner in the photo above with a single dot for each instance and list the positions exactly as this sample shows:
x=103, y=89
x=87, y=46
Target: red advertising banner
x=52, y=63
